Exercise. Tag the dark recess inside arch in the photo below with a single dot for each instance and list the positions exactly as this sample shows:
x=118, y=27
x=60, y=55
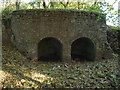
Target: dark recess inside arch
x=83, y=49
x=49, y=49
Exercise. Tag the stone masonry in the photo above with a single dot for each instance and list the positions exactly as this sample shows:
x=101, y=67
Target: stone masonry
x=30, y=27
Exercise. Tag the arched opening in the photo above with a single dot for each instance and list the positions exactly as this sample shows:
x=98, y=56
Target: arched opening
x=83, y=49
x=49, y=49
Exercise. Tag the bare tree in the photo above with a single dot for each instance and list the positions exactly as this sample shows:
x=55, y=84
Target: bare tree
x=65, y=4
x=52, y=4
x=44, y=4
x=78, y=5
x=3, y=3
x=17, y=4
x=38, y=3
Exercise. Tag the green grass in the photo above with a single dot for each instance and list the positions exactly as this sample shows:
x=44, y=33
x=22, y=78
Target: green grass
x=20, y=72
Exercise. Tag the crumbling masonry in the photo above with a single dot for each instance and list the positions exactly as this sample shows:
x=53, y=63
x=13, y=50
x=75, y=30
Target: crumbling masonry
x=65, y=33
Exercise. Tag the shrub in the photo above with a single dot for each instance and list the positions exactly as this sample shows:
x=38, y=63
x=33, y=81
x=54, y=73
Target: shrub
x=6, y=12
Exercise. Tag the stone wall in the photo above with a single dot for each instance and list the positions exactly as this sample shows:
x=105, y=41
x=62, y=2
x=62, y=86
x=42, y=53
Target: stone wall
x=6, y=31
x=31, y=26
x=113, y=37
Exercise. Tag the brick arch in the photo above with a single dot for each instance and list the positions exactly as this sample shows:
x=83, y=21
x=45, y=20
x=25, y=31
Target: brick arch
x=83, y=48
x=50, y=49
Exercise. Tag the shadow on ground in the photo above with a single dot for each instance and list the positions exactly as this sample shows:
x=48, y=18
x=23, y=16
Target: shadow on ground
x=24, y=73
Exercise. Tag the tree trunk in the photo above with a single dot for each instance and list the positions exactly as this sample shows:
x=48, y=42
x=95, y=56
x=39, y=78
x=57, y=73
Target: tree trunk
x=17, y=4
x=65, y=5
x=44, y=4
x=78, y=5
x=3, y=3
x=52, y=4
x=39, y=5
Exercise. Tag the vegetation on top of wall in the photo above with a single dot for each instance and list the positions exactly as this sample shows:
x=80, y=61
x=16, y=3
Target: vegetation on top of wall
x=59, y=9
x=92, y=6
x=114, y=27
x=24, y=6
x=6, y=12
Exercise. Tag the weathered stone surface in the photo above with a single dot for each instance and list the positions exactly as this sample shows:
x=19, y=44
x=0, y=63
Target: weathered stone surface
x=6, y=30
x=113, y=37
x=29, y=27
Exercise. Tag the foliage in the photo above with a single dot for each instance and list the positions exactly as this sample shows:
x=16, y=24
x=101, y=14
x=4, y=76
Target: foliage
x=111, y=14
x=6, y=12
x=57, y=5
x=32, y=4
x=115, y=27
x=24, y=5
x=94, y=6
x=20, y=72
